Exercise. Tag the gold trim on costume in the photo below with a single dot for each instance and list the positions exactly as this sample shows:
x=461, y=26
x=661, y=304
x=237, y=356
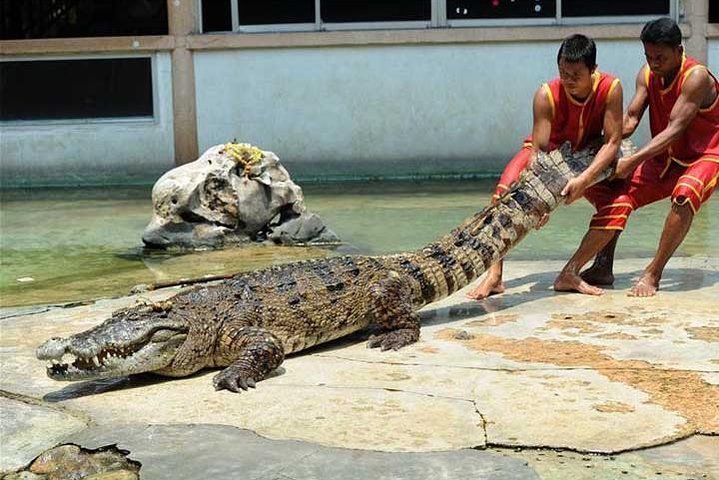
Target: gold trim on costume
x=671, y=85
x=545, y=86
x=706, y=159
x=666, y=167
x=603, y=217
x=691, y=69
x=596, y=77
x=692, y=178
x=699, y=195
x=686, y=200
x=618, y=205
x=606, y=228
x=712, y=183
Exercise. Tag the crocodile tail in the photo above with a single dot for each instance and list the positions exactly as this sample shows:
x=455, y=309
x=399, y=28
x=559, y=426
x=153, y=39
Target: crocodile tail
x=452, y=262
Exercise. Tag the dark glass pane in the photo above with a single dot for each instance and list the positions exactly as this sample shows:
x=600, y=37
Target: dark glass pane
x=598, y=8
x=375, y=10
x=714, y=11
x=268, y=12
x=64, y=89
x=216, y=16
x=481, y=9
x=81, y=18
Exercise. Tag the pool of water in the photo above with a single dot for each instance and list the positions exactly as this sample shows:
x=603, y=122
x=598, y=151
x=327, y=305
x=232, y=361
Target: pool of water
x=65, y=245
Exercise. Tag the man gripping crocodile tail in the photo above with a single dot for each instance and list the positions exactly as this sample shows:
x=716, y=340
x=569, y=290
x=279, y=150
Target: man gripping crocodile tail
x=681, y=160
x=579, y=106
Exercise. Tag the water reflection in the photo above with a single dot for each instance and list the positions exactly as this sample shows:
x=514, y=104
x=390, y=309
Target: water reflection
x=62, y=245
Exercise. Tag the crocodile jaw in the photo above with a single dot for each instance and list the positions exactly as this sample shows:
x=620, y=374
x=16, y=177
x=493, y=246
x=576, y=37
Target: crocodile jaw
x=71, y=359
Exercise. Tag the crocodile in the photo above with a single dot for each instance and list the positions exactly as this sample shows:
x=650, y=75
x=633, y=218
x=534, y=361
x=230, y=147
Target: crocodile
x=251, y=321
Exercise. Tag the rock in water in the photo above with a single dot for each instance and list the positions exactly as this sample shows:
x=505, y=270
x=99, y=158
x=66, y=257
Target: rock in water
x=230, y=195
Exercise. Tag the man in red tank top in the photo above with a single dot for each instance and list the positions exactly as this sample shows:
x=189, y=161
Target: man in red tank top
x=681, y=161
x=581, y=105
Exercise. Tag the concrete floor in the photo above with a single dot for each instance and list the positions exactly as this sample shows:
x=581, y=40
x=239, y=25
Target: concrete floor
x=529, y=384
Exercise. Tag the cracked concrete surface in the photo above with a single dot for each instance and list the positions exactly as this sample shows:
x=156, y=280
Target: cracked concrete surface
x=530, y=368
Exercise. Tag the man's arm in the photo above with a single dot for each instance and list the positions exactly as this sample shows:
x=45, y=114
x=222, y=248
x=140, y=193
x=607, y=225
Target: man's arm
x=543, y=114
x=695, y=90
x=612, y=126
x=638, y=105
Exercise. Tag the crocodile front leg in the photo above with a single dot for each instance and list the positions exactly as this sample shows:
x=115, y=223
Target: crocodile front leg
x=252, y=353
x=391, y=305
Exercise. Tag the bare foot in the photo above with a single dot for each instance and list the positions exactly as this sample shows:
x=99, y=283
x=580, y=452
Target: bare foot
x=489, y=286
x=596, y=275
x=571, y=282
x=646, y=286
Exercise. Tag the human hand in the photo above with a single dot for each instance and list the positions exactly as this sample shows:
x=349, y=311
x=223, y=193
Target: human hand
x=573, y=190
x=542, y=221
x=625, y=166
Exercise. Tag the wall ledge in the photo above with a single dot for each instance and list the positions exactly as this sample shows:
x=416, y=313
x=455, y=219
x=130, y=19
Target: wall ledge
x=232, y=41
x=87, y=45
x=411, y=37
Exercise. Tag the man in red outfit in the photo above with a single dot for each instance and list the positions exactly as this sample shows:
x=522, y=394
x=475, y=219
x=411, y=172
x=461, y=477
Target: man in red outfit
x=580, y=105
x=681, y=160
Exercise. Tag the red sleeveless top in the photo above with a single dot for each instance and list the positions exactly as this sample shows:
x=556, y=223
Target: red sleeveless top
x=575, y=121
x=702, y=135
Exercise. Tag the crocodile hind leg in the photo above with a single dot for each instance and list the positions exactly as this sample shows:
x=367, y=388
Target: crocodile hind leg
x=391, y=304
x=252, y=353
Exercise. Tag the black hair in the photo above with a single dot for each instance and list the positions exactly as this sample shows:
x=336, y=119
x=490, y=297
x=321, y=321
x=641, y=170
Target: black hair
x=662, y=31
x=578, y=48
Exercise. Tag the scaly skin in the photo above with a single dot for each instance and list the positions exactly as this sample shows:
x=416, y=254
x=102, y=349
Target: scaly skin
x=251, y=321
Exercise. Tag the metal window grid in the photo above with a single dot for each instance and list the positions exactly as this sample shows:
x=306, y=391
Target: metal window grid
x=438, y=20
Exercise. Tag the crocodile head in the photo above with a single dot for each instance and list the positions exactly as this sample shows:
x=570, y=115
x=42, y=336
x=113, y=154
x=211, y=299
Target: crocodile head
x=131, y=341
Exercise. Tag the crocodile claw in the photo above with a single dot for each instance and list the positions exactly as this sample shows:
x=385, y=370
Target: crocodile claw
x=393, y=340
x=233, y=380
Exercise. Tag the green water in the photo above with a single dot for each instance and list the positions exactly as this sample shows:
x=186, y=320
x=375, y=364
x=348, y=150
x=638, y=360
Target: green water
x=63, y=245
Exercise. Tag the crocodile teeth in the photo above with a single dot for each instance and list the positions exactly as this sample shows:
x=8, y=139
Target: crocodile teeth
x=96, y=361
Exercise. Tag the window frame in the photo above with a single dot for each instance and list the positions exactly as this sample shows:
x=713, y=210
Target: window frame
x=135, y=120
x=438, y=20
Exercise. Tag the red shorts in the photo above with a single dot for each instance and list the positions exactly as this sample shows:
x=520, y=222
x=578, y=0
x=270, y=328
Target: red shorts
x=652, y=181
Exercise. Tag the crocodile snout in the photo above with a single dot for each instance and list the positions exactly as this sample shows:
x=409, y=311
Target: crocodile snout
x=52, y=349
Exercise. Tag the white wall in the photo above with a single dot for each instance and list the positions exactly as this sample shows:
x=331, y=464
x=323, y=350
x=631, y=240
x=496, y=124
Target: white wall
x=385, y=110
x=714, y=56
x=72, y=152
x=328, y=112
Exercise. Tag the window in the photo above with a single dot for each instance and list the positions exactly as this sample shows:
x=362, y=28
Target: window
x=491, y=9
x=216, y=16
x=81, y=18
x=286, y=15
x=72, y=89
x=342, y=11
x=713, y=12
x=601, y=8
x=270, y=12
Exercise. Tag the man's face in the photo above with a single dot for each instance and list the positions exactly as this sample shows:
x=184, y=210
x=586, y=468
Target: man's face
x=663, y=60
x=576, y=78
